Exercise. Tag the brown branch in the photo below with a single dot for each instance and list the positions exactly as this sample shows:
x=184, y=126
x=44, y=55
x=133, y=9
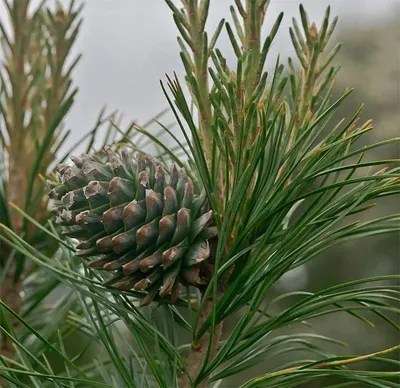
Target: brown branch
x=10, y=294
x=198, y=352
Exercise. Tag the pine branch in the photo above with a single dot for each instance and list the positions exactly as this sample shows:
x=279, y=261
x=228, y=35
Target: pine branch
x=35, y=86
x=198, y=353
x=266, y=145
x=270, y=179
x=191, y=21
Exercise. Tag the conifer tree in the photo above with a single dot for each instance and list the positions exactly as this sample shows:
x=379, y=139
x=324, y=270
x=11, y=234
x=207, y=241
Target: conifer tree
x=149, y=246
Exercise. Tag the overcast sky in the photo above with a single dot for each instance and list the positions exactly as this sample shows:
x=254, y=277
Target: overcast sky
x=128, y=46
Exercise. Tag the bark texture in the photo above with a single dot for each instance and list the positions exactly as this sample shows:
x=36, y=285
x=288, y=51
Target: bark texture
x=197, y=355
x=10, y=294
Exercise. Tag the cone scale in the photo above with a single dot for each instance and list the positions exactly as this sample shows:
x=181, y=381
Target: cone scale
x=146, y=226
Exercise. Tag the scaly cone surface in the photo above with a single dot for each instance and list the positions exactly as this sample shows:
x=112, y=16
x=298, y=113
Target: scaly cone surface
x=145, y=225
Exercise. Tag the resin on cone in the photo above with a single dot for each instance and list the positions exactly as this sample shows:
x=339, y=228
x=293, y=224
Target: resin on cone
x=147, y=226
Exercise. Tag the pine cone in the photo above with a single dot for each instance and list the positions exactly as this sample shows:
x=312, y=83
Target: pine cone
x=151, y=231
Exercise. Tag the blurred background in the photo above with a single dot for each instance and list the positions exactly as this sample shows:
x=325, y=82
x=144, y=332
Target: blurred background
x=128, y=46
